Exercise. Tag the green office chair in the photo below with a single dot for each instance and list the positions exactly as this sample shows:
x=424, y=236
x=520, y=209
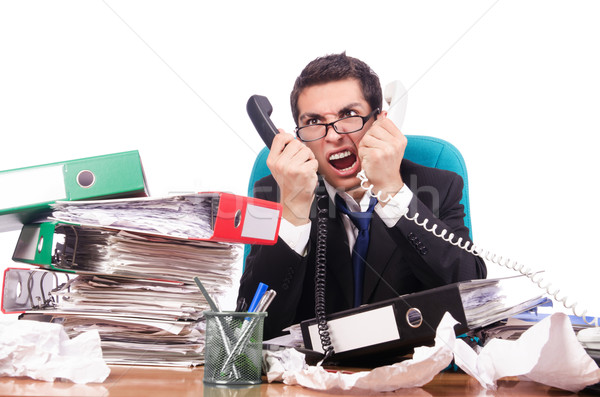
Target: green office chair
x=424, y=150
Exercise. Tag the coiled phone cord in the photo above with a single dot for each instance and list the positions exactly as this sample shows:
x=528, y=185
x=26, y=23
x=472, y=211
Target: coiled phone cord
x=484, y=254
x=528, y=272
x=369, y=188
x=320, y=271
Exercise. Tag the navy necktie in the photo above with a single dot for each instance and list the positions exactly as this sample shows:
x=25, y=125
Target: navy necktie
x=359, y=252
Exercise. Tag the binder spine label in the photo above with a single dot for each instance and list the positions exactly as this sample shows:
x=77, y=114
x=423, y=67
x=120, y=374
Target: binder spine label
x=260, y=223
x=359, y=330
x=35, y=185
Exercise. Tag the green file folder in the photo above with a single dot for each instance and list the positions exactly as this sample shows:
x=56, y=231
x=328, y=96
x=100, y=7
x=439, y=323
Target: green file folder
x=36, y=245
x=26, y=193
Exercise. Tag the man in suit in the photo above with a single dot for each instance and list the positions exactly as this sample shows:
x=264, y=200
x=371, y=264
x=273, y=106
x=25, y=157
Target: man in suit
x=336, y=102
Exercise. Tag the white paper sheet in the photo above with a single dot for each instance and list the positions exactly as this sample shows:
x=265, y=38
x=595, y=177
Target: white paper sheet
x=548, y=353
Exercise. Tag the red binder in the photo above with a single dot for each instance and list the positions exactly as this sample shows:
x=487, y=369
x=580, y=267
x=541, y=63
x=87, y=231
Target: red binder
x=247, y=220
x=231, y=218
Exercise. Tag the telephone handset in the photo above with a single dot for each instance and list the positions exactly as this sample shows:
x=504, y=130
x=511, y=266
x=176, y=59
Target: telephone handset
x=259, y=109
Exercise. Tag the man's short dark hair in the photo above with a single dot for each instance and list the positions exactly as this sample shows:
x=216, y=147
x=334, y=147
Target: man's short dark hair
x=335, y=67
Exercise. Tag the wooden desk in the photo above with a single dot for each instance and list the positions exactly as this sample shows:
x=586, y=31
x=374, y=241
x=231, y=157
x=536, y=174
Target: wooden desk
x=156, y=382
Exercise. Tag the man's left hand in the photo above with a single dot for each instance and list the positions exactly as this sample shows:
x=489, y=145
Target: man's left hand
x=381, y=151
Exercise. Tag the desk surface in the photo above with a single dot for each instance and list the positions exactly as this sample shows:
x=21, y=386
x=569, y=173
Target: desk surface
x=149, y=381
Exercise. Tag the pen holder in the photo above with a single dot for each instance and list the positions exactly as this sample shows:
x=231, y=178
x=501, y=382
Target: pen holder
x=233, y=351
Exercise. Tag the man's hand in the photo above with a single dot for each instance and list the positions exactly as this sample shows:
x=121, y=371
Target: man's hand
x=294, y=167
x=381, y=151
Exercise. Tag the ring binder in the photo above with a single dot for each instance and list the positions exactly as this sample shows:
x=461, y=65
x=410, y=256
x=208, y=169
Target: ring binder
x=29, y=289
x=397, y=325
x=28, y=192
x=140, y=321
x=93, y=250
x=209, y=216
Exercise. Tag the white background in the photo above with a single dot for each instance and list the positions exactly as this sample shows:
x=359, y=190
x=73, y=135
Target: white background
x=514, y=85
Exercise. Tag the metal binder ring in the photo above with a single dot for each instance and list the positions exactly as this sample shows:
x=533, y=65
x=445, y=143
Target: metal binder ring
x=86, y=178
x=237, y=218
x=414, y=318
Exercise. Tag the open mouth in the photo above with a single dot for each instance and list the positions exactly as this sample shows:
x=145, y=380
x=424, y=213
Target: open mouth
x=343, y=161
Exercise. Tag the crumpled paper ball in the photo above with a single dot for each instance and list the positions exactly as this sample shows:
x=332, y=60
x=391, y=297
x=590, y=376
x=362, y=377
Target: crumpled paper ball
x=43, y=351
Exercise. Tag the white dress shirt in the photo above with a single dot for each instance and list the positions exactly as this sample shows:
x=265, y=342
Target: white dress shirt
x=296, y=237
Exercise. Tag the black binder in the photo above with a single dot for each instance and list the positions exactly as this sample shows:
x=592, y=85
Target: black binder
x=396, y=326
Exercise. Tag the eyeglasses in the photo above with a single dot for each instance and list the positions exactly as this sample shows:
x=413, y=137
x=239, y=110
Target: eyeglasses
x=345, y=125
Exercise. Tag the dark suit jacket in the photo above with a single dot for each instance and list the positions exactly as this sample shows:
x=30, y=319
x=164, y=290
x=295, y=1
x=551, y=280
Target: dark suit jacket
x=401, y=259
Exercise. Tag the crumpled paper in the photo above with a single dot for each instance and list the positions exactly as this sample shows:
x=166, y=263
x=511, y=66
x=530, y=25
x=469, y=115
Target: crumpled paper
x=548, y=353
x=44, y=351
x=279, y=362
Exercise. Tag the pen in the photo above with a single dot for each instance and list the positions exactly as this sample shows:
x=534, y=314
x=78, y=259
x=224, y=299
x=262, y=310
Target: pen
x=262, y=306
x=211, y=303
x=215, y=308
x=248, y=327
x=266, y=301
x=257, y=297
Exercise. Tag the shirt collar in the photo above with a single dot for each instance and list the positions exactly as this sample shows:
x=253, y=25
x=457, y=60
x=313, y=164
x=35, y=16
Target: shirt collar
x=352, y=205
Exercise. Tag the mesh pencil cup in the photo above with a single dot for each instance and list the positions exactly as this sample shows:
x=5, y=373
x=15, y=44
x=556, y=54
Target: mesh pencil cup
x=233, y=351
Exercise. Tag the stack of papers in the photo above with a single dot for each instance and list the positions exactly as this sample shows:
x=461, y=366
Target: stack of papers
x=151, y=299
x=125, y=267
x=488, y=301
x=184, y=216
x=88, y=249
x=135, y=340
x=140, y=321
x=135, y=261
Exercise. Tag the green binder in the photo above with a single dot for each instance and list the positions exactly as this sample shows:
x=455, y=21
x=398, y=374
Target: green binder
x=26, y=193
x=36, y=245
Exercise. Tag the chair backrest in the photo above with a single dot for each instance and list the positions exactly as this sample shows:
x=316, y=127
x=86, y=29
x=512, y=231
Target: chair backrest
x=438, y=153
x=259, y=170
x=424, y=150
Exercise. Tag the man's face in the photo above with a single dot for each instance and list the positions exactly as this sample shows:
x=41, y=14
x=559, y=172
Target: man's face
x=337, y=154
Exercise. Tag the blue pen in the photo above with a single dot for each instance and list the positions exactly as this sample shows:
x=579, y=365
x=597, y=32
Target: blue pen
x=260, y=291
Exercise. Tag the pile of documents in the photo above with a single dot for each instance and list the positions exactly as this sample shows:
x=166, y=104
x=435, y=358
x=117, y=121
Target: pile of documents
x=488, y=301
x=184, y=216
x=97, y=250
x=140, y=321
x=126, y=266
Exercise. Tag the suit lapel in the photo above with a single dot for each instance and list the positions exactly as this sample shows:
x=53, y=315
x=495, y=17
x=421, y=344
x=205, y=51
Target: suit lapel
x=381, y=248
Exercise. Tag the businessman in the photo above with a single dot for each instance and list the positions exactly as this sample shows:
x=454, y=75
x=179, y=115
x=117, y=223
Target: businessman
x=336, y=103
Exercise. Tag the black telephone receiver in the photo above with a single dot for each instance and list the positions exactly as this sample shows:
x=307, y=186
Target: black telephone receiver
x=259, y=109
